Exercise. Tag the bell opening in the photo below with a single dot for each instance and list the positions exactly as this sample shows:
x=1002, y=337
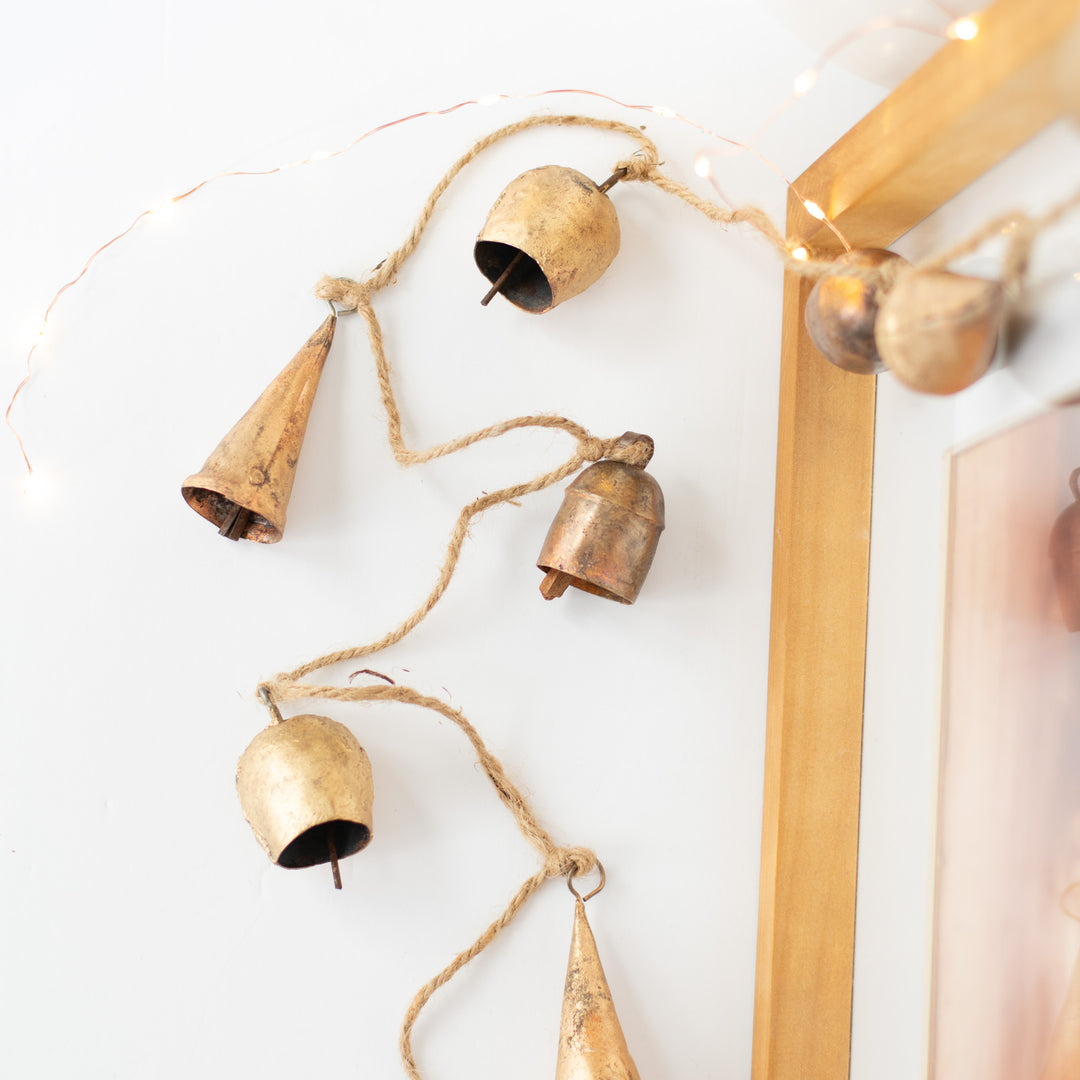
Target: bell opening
x=216, y=508
x=583, y=585
x=527, y=287
x=313, y=847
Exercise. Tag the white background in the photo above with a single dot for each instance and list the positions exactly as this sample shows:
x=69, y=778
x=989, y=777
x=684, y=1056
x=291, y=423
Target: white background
x=144, y=934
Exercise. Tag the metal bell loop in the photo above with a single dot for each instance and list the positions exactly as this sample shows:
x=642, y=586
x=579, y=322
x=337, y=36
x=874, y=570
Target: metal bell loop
x=306, y=790
x=554, y=230
x=605, y=534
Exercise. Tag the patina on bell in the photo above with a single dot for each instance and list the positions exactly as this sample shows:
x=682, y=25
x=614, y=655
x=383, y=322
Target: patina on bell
x=591, y=1041
x=245, y=485
x=1065, y=556
x=841, y=311
x=555, y=230
x=604, y=536
x=305, y=788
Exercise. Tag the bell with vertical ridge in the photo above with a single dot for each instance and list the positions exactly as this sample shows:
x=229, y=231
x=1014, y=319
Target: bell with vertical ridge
x=604, y=536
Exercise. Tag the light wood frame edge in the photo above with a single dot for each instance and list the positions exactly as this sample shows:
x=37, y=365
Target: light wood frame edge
x=969, y=107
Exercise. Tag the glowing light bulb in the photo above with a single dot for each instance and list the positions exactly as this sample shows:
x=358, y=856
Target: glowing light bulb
x=162, y=211
x=963, y=29
x=321, y=155
x=664, y=110
x=36, y=487
x=490, y=99
x=800, y=253
x=702, y=167
x=814, y=210
x=804, y=83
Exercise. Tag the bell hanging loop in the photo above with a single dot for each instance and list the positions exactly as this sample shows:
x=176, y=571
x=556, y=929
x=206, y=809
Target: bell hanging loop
x=604, y=537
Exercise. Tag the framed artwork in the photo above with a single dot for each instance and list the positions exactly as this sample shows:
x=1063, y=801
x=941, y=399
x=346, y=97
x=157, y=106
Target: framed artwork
x=968, y=108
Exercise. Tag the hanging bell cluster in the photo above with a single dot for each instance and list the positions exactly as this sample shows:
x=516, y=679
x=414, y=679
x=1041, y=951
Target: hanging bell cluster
x=305, y=789
x=1065, y=556
x=936, y=331
x=549, y=236
x=605, y=534
x=245, y=485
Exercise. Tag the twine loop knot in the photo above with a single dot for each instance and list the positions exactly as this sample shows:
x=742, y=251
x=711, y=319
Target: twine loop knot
x=641, y=166
x=593, y=449
x=563, y=861
x=344, y=291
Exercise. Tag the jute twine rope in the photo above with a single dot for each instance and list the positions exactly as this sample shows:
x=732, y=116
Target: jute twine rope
x=642, y=167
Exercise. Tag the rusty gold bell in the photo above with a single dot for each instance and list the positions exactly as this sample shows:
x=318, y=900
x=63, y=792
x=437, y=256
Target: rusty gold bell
x=1065, y=556
x=549, y=236
x=245, y=485
x=937, y=331
x=306, y=791
x=604, y=536
x=591, y=1041
x=841, y=310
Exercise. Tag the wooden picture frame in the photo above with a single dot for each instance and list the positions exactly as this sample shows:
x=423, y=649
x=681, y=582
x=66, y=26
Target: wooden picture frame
x=969, y=107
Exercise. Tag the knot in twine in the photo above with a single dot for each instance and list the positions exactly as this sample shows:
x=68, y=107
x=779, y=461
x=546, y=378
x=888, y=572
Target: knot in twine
x=566, y=861
x=642, y=166
x=344, y=291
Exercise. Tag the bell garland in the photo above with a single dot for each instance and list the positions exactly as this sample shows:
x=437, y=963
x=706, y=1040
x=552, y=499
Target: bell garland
x=305, y=783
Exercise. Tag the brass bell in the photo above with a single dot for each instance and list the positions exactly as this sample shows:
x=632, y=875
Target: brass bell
x=549, y=236
x=604, y=536
x=306, y=791
x=937, y=331
x=841, y=310
x=1065, y=556
x=245, y=485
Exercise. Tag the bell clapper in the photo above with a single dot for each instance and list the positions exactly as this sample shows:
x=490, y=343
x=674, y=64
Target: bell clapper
x=235, y=522
x=333, y=855
x=501, y=280
x=555, y=583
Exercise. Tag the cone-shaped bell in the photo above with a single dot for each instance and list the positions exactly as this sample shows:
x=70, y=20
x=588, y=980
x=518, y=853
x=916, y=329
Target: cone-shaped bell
x=1065, y=556
x=841, y=310
x=562, y=226
x=937, y=331
x=244, y=486
x=591, y=1041
x=305, y=788
x=604, y=536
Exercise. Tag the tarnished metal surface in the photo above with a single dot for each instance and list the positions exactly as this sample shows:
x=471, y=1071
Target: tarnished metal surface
x=305, y=788
x=841, y=310
x=563, y=225
x=245, y=485
x=1065, y=556
x=937, y=331
x=604, y=536
x=591, y=1041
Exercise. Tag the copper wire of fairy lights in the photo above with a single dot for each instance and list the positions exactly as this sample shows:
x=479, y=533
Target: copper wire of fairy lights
x=960, y=28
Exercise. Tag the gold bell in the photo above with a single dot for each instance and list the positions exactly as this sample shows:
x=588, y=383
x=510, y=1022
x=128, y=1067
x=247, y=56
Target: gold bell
x=591, y=1041
x=245, y=485
x=305, y=788
x=937, y=331
x=1065, y=556
x=604, y=536
x=841, y=310
x=549, y=236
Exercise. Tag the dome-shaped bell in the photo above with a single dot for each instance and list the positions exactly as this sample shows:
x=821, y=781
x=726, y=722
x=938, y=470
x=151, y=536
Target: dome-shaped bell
x=937, y=331
x=305, y=788
x=556, y=232
x=1065, y=556
x=604, y=536
x=841, y=310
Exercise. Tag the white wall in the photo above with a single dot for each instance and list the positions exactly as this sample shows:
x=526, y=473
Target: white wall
x=144, y=933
